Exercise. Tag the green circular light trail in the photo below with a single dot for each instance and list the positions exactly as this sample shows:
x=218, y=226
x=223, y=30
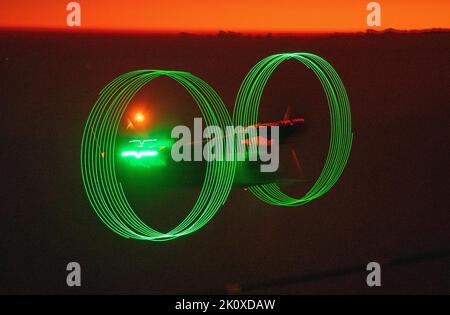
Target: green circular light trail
x=105, y=192
x=246, y=114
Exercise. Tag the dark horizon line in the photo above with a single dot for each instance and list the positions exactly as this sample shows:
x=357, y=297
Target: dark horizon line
x=215, y=33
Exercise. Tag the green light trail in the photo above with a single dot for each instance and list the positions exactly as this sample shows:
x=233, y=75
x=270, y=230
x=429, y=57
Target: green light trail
x=246, y=114
x=98, y=161
x=105, y=192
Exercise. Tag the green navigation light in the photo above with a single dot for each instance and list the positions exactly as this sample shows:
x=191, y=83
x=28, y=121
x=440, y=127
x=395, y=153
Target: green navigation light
x=139, y=154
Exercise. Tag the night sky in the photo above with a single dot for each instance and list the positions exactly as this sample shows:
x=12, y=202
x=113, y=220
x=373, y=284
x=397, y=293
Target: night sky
x=390, y=205
x=390, y=202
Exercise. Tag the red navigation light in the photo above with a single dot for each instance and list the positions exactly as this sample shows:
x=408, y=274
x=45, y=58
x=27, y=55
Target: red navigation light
x=139, y=117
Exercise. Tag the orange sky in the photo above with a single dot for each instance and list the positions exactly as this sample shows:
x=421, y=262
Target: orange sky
x=230, y=15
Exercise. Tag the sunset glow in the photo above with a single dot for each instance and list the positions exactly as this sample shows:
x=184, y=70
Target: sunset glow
x=248, y=16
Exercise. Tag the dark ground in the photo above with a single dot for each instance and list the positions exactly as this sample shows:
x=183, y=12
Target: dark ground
x=391, y=201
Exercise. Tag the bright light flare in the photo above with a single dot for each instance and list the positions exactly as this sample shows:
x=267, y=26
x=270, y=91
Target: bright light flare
x=139, y=154
x=139, y=117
